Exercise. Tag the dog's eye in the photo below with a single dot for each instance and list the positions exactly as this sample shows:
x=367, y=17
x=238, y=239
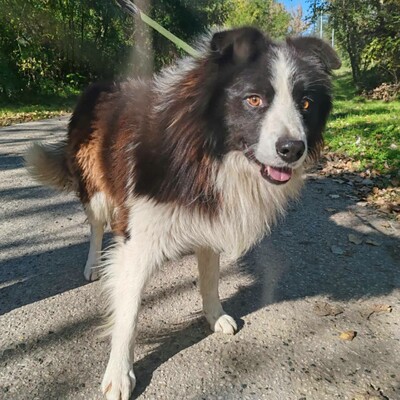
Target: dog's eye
x=254, y=101
x=305, y=104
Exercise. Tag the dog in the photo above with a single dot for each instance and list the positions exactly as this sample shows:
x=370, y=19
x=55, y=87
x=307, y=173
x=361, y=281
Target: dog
x=201, y=159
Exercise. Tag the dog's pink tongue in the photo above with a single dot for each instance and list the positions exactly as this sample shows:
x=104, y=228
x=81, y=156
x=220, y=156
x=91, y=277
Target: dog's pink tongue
x=280, y=174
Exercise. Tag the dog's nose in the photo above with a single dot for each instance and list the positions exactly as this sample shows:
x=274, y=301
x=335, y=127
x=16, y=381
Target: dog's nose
x=290, y=150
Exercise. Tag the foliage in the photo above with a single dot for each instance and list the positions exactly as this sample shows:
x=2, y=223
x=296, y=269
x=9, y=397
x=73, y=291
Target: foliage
x=384, y=55
x=45, y=41
x=187, y=19
x=47, y=46
x=268, y=15
x=369, y=32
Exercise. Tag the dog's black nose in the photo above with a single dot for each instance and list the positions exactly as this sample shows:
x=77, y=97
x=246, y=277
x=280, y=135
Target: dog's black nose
x=290, y=150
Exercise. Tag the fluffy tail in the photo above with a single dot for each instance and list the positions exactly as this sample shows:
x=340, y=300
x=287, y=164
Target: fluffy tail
x=47, y=164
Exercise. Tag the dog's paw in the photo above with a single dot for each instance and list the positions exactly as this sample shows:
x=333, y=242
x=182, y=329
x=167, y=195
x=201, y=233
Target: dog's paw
x=118, y=385
x=225, y=324
x=91, y=273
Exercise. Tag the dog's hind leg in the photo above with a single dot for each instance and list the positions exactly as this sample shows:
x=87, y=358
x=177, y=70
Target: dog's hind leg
x=208, y=264
x=91, y=270
x=98, y=214
x=131, y=265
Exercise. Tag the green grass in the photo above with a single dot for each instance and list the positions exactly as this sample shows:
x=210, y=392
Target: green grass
x=366, y=130
x=35, y=108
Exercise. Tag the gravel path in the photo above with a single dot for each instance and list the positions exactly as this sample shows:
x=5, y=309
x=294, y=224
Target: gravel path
x=285, y=349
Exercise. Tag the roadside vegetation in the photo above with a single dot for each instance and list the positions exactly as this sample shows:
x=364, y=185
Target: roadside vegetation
x=362, y=147
x=366, y=130
x=35, y=107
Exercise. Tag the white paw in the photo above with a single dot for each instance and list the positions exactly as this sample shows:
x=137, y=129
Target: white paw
x=225, y=324
x=118, y=385
x=91, y=273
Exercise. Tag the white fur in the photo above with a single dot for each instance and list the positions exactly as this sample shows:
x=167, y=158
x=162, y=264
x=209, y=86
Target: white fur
x=283, y=118
x=158, y=232
x=208, y=264
x=99, y=212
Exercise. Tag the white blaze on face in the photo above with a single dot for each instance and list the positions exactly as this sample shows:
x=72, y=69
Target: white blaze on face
x=282, y=119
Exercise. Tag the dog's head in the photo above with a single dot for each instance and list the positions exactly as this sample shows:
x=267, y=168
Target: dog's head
x=275, y=97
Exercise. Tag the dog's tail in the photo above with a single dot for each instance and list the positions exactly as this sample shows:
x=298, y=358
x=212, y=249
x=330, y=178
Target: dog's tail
x=47, y=164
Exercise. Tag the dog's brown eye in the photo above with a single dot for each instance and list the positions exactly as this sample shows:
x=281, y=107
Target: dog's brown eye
x=305, y=104
x=254, y=101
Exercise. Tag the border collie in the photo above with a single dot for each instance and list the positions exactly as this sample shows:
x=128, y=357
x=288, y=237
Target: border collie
x=203, y=158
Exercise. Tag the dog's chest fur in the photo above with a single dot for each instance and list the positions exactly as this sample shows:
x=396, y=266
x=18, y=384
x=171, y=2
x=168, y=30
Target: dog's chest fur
x=248, y=208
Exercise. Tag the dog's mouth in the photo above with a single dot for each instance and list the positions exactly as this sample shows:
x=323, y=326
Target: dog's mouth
x=275, y=175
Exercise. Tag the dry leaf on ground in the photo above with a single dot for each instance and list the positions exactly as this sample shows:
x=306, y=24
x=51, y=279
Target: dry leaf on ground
x=348, y=335
x=379, y=308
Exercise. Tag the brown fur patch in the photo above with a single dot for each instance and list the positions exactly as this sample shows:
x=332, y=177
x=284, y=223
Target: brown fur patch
x=87, y=159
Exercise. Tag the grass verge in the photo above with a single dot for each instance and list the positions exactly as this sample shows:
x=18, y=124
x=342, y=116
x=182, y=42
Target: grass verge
x=368, y=131
x=34, y=109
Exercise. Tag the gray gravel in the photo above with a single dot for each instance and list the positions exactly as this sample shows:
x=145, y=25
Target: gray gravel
x=284, y=350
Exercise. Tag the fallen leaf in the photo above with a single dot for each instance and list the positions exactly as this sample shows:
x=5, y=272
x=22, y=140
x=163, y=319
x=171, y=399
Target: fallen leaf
x=382, y=308
x=354, y=238
x=337, y=250
x=334, y=196
x=324, y=309
x=379, y=308
x=372, y=242
x=348, y=335
x=330, y=209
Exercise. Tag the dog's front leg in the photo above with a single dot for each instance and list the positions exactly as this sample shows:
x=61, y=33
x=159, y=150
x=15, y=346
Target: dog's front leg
x=131, y=266
x=219, y=320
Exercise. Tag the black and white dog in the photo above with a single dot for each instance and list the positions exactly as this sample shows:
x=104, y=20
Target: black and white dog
x=203, y=158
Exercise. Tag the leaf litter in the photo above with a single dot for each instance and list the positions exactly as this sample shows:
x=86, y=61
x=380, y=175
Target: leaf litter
x=379, y=190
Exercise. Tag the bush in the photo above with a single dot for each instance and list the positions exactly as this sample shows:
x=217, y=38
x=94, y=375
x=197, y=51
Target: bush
x=382, y=55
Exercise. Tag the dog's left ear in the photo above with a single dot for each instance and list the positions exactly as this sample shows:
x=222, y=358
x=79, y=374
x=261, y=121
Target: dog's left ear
x=237, y=45
x=318, y=48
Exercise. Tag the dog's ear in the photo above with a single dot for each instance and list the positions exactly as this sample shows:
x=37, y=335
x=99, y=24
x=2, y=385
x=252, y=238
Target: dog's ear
x=318, y=48
x=238, y=45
